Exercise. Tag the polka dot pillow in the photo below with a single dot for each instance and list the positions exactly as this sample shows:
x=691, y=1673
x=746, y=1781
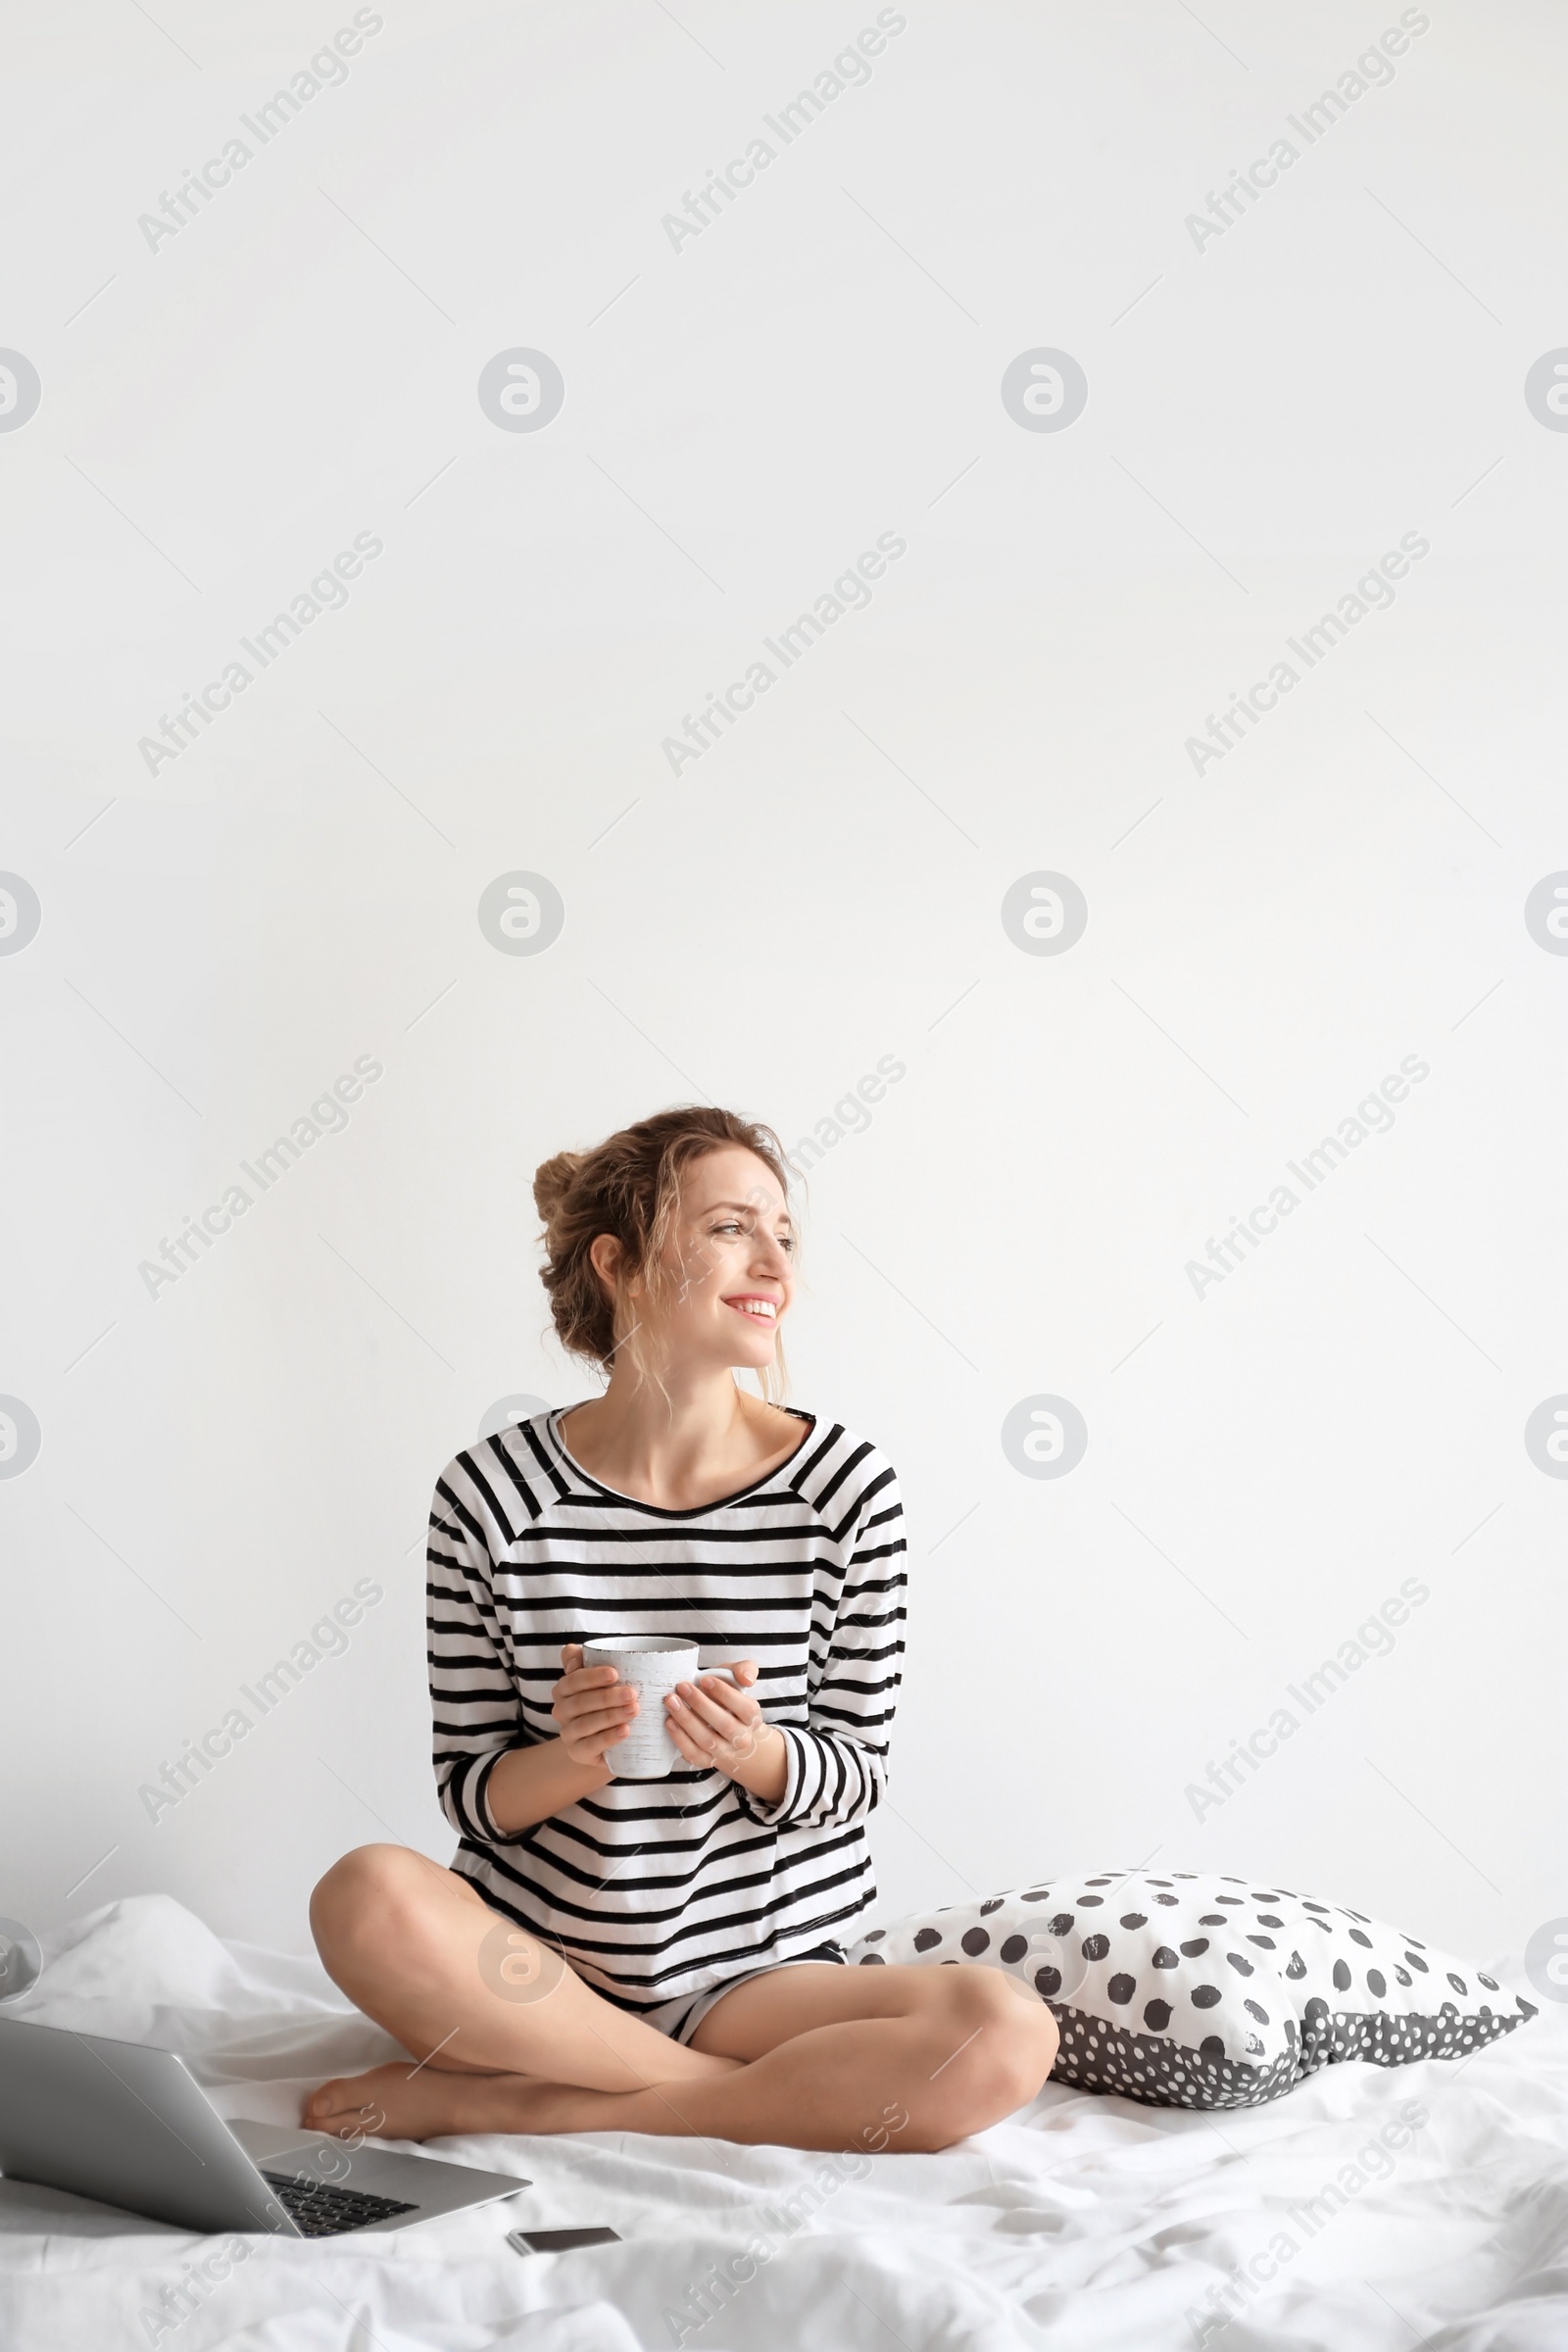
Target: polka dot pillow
x=1192, y=1990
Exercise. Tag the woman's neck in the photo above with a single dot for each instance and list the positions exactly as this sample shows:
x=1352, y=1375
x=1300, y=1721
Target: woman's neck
x=705, y=1439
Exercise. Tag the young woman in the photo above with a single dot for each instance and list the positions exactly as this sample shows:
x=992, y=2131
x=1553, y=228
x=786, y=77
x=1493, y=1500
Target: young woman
x=623, y=1955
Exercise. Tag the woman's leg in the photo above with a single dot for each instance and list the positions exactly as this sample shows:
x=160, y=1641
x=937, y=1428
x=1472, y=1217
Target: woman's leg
x=814, y=2056
x=909, y=2059
x=469, y=1993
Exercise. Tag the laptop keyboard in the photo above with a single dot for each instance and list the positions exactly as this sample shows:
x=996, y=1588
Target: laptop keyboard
x=323, y=2210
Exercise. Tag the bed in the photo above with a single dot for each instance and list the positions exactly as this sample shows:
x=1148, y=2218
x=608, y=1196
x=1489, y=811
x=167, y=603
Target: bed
x=1332, y=2221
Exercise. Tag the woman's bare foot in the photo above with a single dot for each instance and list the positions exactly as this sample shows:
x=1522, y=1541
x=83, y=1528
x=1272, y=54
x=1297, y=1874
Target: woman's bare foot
x=421, y=2102
x=408, y=2102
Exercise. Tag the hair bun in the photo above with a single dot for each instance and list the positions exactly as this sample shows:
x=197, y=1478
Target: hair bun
x=553, y=1180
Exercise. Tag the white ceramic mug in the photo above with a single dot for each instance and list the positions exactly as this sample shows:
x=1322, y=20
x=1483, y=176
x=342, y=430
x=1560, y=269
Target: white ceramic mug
x=652, y=1664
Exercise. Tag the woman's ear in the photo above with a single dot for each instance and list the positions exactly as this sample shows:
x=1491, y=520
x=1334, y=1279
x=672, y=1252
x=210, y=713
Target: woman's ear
x=607, y=1259
x=603, y=1255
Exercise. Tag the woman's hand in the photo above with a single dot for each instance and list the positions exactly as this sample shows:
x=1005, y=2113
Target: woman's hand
x=592, y=1707
x=718, y=1725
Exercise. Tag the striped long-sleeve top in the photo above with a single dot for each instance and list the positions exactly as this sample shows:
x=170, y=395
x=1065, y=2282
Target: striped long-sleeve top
x=657, y=1889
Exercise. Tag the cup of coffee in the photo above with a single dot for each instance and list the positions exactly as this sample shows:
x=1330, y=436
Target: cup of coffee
x=652, y=1664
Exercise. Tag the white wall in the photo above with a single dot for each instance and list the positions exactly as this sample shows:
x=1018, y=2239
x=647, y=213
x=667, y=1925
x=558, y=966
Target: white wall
x=225, y=933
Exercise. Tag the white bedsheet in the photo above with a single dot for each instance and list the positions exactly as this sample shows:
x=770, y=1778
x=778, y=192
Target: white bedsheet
x=1081, y=2224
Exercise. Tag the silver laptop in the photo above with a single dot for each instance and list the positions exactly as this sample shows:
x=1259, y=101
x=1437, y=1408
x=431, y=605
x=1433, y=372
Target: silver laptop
x=130, y=2127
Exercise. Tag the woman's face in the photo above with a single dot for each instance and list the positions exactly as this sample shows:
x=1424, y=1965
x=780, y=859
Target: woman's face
x=730, y=1264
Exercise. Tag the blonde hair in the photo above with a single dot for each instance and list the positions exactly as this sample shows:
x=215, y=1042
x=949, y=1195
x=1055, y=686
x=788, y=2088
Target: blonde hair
x=629, y=1187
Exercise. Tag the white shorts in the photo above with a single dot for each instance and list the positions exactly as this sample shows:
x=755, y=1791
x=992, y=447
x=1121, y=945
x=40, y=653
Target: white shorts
x=680, y=2018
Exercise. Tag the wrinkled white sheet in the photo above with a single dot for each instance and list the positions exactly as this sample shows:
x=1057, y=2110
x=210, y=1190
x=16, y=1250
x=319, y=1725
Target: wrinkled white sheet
x=1081, y=2224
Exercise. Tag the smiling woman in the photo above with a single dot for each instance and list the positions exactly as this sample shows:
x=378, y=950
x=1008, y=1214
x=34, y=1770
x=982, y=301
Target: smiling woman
x=624, y=1234
x=615, y=1954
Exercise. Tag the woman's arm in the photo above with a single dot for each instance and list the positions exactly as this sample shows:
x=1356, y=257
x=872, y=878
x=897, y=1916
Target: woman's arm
x=530, y=1784
x=590, y=1705
x=831, y=1769
x=493, y=1780
x=721, y=1727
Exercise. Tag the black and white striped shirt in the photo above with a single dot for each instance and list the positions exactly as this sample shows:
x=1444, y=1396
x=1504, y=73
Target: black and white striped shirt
x=658, y=1889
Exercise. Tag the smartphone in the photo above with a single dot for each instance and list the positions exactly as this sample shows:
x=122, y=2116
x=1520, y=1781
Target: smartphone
x=558, y=2242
